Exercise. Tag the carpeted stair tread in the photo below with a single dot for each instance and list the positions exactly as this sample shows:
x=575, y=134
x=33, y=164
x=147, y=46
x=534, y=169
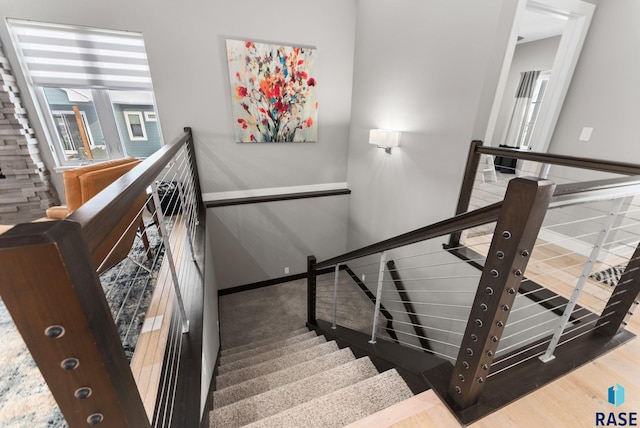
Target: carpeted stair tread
x=282, y=398
x=258, y=343
x=237, y=376
x=274, y=344
x=343, y=406
x=289, y=375
x=270, y=355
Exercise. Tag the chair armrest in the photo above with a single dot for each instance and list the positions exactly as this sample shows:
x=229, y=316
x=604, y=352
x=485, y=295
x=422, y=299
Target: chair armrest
x=58, y=213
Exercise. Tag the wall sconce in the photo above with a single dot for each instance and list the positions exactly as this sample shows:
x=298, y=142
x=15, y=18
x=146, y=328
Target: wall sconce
x=384, y=139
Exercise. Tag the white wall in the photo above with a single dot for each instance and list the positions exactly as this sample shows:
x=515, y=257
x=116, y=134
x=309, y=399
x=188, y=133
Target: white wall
x=605, y=90
x=252, y=243
x=420, y=67
x=536, y=55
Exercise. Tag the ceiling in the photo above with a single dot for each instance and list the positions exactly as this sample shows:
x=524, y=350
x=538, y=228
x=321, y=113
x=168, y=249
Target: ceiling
x=536, y=25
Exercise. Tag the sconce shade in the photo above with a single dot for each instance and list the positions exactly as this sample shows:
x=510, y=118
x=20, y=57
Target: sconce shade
x=384, y=138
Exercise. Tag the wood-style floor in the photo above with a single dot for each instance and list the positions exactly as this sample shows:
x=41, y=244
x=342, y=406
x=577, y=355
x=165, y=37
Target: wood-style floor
x=148, y=358
x=570, y=401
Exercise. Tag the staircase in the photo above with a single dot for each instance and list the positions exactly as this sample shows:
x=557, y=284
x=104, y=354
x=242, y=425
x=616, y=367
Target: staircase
x=298, y=379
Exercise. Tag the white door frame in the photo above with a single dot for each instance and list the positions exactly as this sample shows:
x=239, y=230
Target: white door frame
x=578, y=15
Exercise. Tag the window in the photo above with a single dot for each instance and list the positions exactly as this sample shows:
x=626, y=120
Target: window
x=135, y=125
x=532, y=109
x=93, y=88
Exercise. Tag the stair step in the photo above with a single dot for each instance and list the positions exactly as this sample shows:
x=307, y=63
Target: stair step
x=344, y=406
x=258, y=385
x=237, y=376
x=400, y=411
x=282, y=398
x=258, y=343
x=269, y=355
x=274, y=344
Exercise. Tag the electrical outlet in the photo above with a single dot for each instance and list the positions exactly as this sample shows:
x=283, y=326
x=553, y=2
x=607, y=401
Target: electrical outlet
x=286, y=270
x=585, y=135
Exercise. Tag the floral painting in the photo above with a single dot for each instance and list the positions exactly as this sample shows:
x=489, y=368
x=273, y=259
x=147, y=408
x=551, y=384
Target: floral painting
x=273, y=92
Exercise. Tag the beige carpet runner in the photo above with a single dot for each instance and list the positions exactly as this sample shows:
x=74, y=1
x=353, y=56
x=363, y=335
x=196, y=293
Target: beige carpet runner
x=297, y=380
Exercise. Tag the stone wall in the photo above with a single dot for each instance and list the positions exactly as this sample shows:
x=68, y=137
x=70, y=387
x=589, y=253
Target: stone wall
x=25, y=189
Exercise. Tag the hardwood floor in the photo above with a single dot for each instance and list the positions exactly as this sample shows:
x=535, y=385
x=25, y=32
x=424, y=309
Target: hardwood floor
x=148, y=358
x=570, y=401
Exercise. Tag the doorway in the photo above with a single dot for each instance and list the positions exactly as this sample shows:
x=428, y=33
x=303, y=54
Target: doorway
x=570, y=20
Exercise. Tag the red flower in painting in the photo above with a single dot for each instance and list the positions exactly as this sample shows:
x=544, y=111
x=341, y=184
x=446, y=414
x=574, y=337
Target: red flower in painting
x=309, y=122
x=241, y=92
x=243, y=123
x=311, y=82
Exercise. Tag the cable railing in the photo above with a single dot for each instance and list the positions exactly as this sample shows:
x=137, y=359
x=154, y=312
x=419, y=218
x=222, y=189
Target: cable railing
x=517, y=280
x=130, y=337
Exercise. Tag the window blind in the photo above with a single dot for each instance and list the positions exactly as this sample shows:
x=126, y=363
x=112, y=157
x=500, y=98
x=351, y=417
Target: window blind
x=79, y=57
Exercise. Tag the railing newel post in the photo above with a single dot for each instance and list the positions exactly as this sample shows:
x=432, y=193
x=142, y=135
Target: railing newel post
x=53, y=293
x=523, y=211
x=336, y=277
x=311, y=290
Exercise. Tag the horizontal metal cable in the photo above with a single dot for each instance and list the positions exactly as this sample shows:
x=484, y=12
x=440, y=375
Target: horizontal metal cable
x=427, y=327
x=431, y=304
x=430, y=278
x=555, y=308
x=580, y=220
x=515, y=345
x=428, y=338
x=427, y=316
x=426, y=350
x=583, y=333
x=535, y=303
x=429, y=291
x=457, y=262
x=530, y=357
x=517, y=333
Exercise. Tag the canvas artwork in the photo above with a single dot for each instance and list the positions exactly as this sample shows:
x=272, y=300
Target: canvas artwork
x=273, y=92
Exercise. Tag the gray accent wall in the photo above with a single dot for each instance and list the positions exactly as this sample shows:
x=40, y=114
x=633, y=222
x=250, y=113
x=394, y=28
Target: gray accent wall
x=421, y=68
x=605, y=90
x=253, y=243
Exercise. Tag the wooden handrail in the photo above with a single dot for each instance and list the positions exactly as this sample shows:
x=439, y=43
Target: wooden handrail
x=467, y=220
x=100, y=215
x=562, y=160
x=564, y=194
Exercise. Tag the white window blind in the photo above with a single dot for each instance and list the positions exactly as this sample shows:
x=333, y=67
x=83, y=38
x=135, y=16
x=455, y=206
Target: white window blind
x=79, y=57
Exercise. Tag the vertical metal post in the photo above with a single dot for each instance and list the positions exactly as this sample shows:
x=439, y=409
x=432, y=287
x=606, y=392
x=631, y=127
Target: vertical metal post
x=544, y=170
x=169, y=255
x=524, y=207
x=593, y=258
x=311, y=290
x=335, y=296
x=376, y=314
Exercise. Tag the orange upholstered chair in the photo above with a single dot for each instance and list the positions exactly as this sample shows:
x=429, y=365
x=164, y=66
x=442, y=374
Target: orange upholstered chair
x=80, y=185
